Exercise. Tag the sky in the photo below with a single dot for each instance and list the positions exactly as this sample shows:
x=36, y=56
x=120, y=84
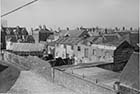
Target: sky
x=73, y=13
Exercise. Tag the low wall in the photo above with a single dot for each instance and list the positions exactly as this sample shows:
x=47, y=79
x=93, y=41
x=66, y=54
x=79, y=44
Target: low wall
x=79, y=84
x=113, y=67
x=125, y=90
x=31, y=63
x=7, y=78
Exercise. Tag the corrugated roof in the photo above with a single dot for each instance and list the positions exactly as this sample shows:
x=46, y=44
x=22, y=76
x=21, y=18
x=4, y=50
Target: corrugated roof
x=131, y=73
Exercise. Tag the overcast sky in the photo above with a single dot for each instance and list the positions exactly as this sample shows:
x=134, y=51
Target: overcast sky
x=73, y=13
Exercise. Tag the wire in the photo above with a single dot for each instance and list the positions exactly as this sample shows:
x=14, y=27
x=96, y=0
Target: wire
x=18, y=8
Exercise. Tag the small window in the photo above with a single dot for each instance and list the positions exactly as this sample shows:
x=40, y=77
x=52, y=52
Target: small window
x=86, y=52
x=57, y=44
x=64, y=46
x=72, y=47
x=79, y=48
x=93, y=51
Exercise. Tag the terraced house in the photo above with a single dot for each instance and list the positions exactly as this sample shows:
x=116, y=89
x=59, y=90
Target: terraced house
x=108, y=48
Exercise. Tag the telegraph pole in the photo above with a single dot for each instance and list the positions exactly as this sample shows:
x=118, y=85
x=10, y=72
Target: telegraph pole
x=18, y=8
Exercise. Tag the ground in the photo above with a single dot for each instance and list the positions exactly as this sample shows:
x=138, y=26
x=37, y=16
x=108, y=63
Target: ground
x=32, y=83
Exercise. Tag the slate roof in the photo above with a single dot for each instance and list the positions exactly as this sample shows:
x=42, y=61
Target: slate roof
x=107, y=39
x=68, y=40
x=131, y=73
x=131, y=37
x=51, y=37
x=134, y=39
x=123, y=33
x=75, y=33
x=72, y=33
x=26, y=47
x=28, y=38
x=62, y=32
x=11, y=38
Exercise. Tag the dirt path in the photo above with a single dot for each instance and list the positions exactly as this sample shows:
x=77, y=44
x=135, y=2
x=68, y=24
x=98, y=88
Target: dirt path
x=31, y=83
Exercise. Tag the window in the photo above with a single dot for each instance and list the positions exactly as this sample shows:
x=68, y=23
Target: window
x=79, y=48
x=57, y=44
x=86, y=52
x=64, y=46
x=72, y=47
x=93, y=51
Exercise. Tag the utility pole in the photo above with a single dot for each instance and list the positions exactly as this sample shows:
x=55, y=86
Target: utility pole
x=18, y=8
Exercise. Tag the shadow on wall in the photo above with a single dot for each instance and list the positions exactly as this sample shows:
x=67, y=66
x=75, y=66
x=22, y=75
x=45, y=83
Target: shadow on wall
x=8, y=76
x=3, y=67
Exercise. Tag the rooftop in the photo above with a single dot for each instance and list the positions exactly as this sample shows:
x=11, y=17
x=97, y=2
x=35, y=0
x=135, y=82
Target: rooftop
x=131, y=73
x=68, y=40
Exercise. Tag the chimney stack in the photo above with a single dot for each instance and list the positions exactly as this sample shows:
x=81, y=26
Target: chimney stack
x=131, y=28
x=44, y=27
x=32, y=31
x=123, y=28
x=67, y=28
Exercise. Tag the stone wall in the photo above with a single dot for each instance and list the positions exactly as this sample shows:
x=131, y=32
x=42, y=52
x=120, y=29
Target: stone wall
x=31, y=63
x=125, y=90
x=79, y=84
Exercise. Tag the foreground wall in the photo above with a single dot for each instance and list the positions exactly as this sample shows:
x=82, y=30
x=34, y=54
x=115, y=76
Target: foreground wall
x=79, y=84
x=8, y=77
x=125, y=90
x=30, y=63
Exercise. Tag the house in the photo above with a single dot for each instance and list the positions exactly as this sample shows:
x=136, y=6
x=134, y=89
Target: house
x=14, y=31
x=132, y=37
x=62, y=33
x=66, y=47
x=98, y=31
x=105, y=48
x=50, y=48
x=41, y=34
x=53, y=37
x=44, y=34
x=25, y=49
x=74, y=33
x=129, y=78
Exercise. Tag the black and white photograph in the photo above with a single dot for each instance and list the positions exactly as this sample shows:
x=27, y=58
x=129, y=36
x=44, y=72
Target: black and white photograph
x=69, y=47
